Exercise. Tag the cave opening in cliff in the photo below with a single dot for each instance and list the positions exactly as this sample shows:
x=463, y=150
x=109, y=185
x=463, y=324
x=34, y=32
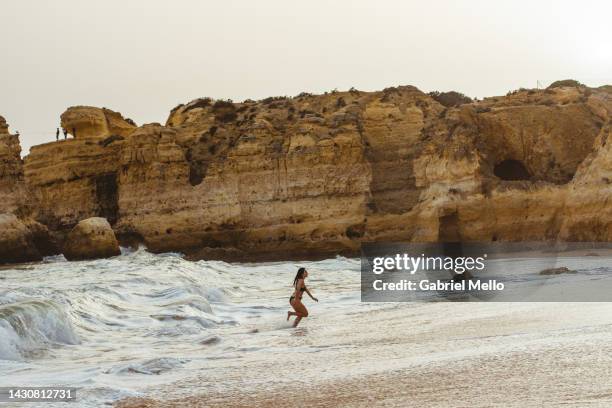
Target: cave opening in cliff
x=511, y=170
x=107, y=194
x=448, y=228
x=197, y=173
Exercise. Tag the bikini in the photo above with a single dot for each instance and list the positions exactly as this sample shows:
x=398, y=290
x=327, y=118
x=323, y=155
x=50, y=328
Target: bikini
x=293, y=296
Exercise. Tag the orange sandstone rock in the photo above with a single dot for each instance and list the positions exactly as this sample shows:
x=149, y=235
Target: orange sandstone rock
x=316, y=175
x=91, y=122
x=90, y=239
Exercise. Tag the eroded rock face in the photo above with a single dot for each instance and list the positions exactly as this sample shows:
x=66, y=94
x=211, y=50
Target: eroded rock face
x=16, y=244
x=3, y=126
x=91, y=122
x=21, y=238
x=72, y=180
x=317, y=175
x=587, y=210
x=91, y=238
x=12, y=186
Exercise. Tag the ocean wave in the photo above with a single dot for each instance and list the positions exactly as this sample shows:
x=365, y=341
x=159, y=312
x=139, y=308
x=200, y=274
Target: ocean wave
x=177, y=295
x=136, y=316
x=30, y=327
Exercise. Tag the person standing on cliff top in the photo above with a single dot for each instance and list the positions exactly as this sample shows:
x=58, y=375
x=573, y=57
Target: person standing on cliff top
x=296, y=299
x=65, y=133
x=57, y=134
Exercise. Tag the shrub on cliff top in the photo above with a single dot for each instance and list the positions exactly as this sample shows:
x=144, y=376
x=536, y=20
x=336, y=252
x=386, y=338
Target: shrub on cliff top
x=177, y=107
x=521, y=90
x=219, y=104
x=387, y=92
x=450, y=99
x=224, y=111
x=271, y=99
x=564, y=82
x=303, y=95
x=199, y=103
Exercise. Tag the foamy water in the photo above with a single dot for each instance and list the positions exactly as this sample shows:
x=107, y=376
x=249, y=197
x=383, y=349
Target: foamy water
x=144, y=324
x=120, y=325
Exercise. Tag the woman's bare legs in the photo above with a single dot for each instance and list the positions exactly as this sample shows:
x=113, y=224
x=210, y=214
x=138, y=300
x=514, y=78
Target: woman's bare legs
x=290, y=313
x=300, y=311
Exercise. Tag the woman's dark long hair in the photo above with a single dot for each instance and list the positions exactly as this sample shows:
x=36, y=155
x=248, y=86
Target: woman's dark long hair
x=299, y=275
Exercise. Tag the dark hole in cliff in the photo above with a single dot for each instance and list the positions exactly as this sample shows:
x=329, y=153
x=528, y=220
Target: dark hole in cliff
x=107, y=196
x=45, y=242
x=448, y=228
x=355, y=231
x=131, y=239
x=110, y=139
x=196, y=173
x=511, y=170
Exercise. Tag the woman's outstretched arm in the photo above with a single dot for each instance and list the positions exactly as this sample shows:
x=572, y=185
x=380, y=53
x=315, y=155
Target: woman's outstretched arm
x=310, y=294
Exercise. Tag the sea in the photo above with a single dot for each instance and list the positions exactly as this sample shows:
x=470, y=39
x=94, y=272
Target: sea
x=160, y=326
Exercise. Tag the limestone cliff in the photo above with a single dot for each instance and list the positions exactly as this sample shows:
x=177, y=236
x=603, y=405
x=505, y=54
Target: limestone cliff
x=12, y=193
x=318, y=174
x=21, y=238
x=88, y=122
x=73, y=179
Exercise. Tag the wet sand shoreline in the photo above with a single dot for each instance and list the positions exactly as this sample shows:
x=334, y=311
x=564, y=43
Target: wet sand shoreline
x=482, y=356
x=482, y=383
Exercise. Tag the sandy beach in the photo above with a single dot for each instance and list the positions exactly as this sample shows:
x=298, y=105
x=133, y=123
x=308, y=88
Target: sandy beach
x=433, y=355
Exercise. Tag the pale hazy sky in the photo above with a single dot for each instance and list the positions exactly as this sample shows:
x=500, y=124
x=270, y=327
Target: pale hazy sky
x=144, y=57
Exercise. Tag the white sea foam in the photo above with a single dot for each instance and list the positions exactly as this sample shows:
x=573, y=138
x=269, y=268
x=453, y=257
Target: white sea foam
x=140, y=322
x=153, y=366
x=32, y=326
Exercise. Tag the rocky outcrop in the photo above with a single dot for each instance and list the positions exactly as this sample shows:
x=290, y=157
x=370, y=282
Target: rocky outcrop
x=3, y=126
x=499, y=169
x=72, y=180
x=556, y=271
x=12, y=186
x=91, y=122
x=319, y=174
x=16, y=244
x=77, y=178
x=91, y=238
x=21, y=238
x=23, y=241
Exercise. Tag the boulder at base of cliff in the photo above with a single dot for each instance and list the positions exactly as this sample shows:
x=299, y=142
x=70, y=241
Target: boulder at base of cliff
x=91, y=239
x=16, y=241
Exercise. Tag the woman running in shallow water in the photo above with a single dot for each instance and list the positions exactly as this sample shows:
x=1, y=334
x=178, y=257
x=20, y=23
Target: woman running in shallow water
x=296, y=299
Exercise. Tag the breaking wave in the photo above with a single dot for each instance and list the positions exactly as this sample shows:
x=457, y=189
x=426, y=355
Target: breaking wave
x=28, y=328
